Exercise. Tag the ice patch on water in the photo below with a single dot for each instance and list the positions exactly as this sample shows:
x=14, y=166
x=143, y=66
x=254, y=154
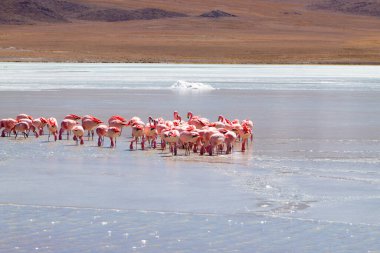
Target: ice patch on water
x=185, y=85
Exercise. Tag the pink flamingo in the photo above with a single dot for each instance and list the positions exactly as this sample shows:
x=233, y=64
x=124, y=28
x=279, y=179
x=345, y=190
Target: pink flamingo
x=53, y=127
x=216, y=141
x=197, y=121
x=245, y=133
x=39, y=124
x=22, y=127
x=101, y=131
x=72, y=117
x=8, y=125
x=23, y=116
x=137, y=132
x=205, y=138
x=118, y=123
x=230, y=140
x=171, y=137
x=116, y=117
x=150, y=131
x=177, y=118
x=249, y=124
x=66, y=125
x=31, y=126
x=78, y=134
x=188, y=139
x=113, y=133
x=89, y=123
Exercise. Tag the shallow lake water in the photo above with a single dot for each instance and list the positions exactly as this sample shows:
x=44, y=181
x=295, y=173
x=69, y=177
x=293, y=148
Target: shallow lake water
x=309, y=182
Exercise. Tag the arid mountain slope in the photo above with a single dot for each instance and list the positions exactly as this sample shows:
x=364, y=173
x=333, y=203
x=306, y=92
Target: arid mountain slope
x=357, y=7
x=261, y=31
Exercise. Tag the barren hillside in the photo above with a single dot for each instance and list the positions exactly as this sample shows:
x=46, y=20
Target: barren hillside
x=257, y=31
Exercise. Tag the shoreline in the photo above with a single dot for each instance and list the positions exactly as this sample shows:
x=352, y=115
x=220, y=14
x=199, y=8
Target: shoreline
x=203, y=63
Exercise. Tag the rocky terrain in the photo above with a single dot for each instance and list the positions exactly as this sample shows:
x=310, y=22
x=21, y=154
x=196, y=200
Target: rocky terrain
x=357, y=7
x=59, y=11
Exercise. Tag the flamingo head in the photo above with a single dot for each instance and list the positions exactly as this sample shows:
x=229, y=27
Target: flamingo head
x=137, y=126
x=189, y=115
x=115, y=129
x=220, y=118
x=246, y=129
x=51, y=122
x=190, y=128
x=96, y=120
x=43, y=120
x=74, y=116
x=223, y=130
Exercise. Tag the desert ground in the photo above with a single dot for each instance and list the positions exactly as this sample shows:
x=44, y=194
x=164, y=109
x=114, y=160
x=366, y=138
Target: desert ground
x=276, y=32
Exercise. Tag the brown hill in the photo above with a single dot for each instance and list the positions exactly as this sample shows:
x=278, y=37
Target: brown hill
x=57, y=11
x=216, y=14
x=357, y=7
x=30, y=11
x=114, y=15
x=263, y=31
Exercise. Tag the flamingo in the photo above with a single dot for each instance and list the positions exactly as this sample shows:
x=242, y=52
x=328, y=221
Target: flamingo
x=101, y=131
x=150, y=131
x=113, y=133
x=78, y=134
x=171, y=137
x=197, y=121
x=8, y=125
x=23, y=116
x=22, y=127
x=39, y=124
x=89, y=123
x=249, y=124
x=230, y=140
x=72, y=117
x=245, y=133
x=177, y=118
x=118, y=123
x=66, y=125
x=30, y=126
x=216, y=141
x=137, y=132
x=53, y=127
x=188, y=139
x=116, y=117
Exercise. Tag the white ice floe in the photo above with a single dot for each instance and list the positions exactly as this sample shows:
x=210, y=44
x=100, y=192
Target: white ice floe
x=185, y=85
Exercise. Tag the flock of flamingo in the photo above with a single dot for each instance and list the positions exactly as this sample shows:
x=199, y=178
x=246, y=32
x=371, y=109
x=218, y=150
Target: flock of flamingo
x=197, y=133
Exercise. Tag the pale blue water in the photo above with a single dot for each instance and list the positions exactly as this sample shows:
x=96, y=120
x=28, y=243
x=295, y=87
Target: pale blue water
x=36, y=76
x=310, y=182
